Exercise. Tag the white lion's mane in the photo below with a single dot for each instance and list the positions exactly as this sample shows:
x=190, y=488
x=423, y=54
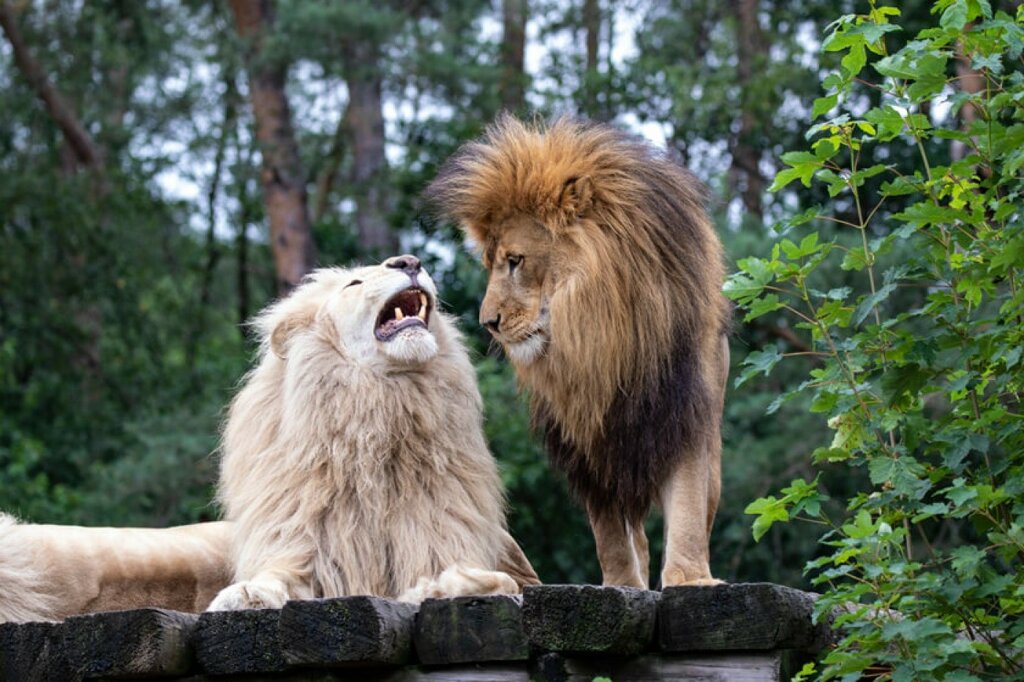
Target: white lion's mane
x=362, y=480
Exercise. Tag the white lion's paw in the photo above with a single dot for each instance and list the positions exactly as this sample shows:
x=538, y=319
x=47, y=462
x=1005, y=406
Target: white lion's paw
x=460, y=581
x=250, y=594
x=418, y=592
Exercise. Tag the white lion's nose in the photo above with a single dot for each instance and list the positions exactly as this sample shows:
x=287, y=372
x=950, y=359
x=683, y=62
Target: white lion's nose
x=407, y=264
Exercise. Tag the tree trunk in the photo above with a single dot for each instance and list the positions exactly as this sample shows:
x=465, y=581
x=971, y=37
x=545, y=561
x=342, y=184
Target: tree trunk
x=365, y=122
x=213, y=250
x=513, y=55
x=592, y=27
x=281, y=175
x=86, y=151
x=332, y=161
x=972, y=82
x=751, y=54
x=78, y=150
x=246, y=216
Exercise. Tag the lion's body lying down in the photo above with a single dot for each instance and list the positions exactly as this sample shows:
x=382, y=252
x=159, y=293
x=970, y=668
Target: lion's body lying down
x=354, y=460
x=50, y=572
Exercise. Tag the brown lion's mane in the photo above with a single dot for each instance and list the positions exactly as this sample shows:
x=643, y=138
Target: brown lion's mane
x=637, y=313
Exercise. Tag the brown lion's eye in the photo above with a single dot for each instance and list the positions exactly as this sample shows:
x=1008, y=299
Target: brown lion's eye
x=514, y=261
x=353, y=283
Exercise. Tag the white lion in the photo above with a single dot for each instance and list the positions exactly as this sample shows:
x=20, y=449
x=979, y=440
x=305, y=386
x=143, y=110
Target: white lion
x=50, y=572
x=354, y=460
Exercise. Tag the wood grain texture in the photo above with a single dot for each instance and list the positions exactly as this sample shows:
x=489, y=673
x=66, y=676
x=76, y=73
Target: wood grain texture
x=123, y=644
x=33, y=652
x=705, y=668
x=589, y=619
x=745, y=616
x=236, y=642
x=347, y=631
x=470, y=629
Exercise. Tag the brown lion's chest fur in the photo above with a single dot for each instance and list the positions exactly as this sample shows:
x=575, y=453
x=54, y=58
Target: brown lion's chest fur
x=637, y=439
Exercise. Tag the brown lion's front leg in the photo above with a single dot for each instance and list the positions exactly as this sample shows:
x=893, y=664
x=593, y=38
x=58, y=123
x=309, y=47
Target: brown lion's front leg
x=621, y=548
x=689, y=500
x=690, y=497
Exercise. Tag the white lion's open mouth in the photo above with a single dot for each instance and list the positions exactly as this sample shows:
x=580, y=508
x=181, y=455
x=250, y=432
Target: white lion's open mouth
x=406, y=309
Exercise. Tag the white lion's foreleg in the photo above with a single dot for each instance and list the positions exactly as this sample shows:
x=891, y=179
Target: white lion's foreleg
x=459, y=581
x=262, y=592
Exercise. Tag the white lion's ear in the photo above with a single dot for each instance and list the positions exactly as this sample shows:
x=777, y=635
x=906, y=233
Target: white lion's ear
x=577, y=197
x=286, y=328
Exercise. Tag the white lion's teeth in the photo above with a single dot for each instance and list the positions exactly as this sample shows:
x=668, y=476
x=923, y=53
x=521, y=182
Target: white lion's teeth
x=399, y=315
x=422, y=314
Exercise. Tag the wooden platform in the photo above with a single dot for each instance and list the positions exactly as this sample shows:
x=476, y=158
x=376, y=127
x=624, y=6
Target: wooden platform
x=553, y=633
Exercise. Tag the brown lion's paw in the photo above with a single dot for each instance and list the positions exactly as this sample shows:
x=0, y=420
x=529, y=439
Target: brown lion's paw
x=682, y=578
x=702, y=581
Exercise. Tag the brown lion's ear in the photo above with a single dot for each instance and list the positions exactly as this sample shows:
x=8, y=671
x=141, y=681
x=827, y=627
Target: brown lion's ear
x=577, y=197
x=284, y=330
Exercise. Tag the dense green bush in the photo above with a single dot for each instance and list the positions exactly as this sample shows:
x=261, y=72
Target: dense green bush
x=926, y=565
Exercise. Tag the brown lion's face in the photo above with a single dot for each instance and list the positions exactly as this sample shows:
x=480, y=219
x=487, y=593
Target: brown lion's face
x=515, y=307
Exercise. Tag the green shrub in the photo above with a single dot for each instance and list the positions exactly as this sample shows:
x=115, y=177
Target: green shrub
x=919, y=371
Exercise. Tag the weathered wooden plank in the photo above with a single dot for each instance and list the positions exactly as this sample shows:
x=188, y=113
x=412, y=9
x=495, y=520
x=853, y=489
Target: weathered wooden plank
x=347, y=631
x=460, y=673
x=764, y=667
x=138, y=643
x=745, y=616
x=487, y=672
x=470, y=629
x=33, y=652
x=239, y=642
x=589, y=619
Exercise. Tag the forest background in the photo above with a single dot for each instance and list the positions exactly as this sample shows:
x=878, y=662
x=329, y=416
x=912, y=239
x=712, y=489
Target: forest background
x=154, y=153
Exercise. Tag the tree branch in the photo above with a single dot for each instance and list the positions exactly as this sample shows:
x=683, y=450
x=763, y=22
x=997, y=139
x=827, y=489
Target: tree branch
x=87, y=152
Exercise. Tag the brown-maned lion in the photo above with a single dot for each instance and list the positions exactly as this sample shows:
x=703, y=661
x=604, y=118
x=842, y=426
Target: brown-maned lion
x=51, y=572
x=354, y=460
x=604, y=291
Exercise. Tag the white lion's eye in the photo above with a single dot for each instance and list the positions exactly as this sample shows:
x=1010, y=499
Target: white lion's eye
x=353, y=283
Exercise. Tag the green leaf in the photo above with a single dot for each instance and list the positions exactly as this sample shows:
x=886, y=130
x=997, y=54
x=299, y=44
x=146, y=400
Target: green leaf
x=887, y=120
x=955, y=16
x=915, y=630
x=750, y=281
x=854, y=260
x=823, y=105
x=759, y=362
x=896, y=66
x=783, y=178
x=854, y=60
x=927, y=213
x=762, y=306
x=966, y=559
x=904, y=380
x=768, y=511
x=899, y=186
x=808, y=246
x=868, y=303
x=804, y=164
x=959, y=493
x=863, y=174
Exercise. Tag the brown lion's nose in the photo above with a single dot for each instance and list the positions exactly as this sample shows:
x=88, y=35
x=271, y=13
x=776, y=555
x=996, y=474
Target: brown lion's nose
x=407, y=264
x=493, y=323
